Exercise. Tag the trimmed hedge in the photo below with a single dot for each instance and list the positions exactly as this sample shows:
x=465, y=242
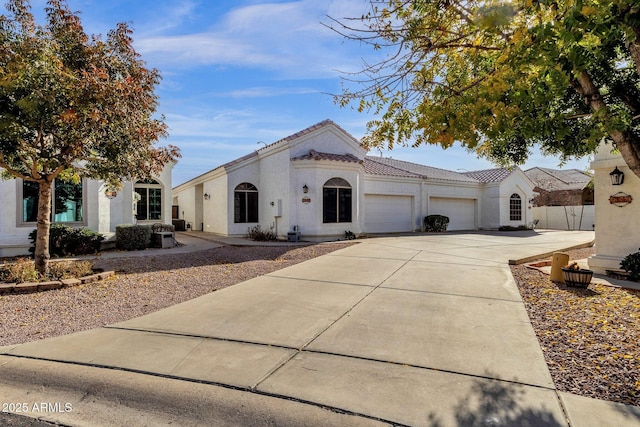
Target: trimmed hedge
x=436, y=223
x=133, y=237
x=65, y=240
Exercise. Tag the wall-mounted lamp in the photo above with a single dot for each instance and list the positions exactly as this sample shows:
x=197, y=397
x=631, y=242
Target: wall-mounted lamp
x=206, y=196
x=305, y=189
x=617, y=176
x=111, y=194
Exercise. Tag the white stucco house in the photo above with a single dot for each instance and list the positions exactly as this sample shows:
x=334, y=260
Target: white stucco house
x=86, y=204
x=321, y=180
x=617, y=211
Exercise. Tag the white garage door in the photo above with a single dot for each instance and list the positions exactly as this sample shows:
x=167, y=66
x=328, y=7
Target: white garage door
x=387, y=214
x=461, y=212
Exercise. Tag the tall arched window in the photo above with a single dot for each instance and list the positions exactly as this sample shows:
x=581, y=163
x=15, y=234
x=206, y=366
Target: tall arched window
x=336, y=201
x=245, y=203
x=149, y=205
x=515, y=208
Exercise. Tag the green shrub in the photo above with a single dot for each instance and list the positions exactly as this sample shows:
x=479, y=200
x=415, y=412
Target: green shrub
x=436, y=223
x=133, y=237
x=260, y=235
x=631, y=264
x=65, y=240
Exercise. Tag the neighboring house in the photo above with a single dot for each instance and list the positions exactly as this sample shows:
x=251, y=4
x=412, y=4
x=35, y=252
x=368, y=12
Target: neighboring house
x=561, y=187
x=321, y=181
x=617, y=211
x=563, y=200
x=86, y=204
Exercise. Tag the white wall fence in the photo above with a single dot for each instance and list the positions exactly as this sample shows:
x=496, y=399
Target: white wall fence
x=565, y=217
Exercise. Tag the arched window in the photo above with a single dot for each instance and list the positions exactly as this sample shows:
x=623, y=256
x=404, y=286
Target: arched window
x=245, y=203
x=336, y=201
x=149, y=204
x=515, y=208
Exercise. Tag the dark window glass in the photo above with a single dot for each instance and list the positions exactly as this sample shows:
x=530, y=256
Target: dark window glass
x=29, y=201
x=245, y=203
x=149, y=207
x=67, y=202
x=141, y=206
x=336, y=201
x=515, y=208
x=330, y=205
x=344, y=204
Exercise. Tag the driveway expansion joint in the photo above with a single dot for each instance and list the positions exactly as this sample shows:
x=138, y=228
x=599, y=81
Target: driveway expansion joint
x=331, y=408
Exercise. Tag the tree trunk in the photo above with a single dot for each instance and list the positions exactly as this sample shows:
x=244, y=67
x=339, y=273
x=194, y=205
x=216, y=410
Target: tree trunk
x=41, y=253
x=625, y=143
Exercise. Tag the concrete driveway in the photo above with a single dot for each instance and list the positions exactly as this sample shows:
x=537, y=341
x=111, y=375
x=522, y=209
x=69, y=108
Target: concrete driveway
x=425, y=330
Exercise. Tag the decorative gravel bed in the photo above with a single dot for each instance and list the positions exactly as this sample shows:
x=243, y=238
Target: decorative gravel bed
x=590, y=337
x=142, y=285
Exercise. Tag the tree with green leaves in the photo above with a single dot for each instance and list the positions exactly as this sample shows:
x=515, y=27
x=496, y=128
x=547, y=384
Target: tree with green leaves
x=500, y=76
x=74, y=106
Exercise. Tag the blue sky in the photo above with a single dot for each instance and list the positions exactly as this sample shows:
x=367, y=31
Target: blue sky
x=237, y=73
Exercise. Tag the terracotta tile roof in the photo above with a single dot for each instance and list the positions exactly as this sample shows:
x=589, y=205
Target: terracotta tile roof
x=422, y=170
x=318, y=155
x=489, y=175
x=309, y=130
x=555, y=179
x=373, y=167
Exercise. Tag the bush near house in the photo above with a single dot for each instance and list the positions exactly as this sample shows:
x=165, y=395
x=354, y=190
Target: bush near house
x=65, y=240
x=631, y=264
x=260, y=235
x=133, y=237
x=436, y=223
x=512, y=228
x=24, y=270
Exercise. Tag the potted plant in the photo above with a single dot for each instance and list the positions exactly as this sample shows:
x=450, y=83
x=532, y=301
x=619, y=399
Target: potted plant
x=577, y=277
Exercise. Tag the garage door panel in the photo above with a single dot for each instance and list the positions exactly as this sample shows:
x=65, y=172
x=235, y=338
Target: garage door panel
x=388, y=213
x=461, y=212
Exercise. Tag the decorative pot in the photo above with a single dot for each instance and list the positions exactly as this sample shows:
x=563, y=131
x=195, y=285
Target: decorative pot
x=577, y=278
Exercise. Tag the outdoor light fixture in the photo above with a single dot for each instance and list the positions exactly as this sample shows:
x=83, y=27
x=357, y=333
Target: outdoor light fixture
x=305, y=189
x=111, y=194
x=206, y=196
x=617, y=176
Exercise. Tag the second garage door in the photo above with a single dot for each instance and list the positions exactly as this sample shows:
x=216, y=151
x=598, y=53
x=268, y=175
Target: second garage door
x=461, y=212
x=387, y=213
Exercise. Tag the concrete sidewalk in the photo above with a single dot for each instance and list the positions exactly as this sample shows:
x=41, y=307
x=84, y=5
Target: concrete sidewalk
x=424, y=330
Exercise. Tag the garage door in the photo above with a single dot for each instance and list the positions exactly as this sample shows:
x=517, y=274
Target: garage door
x=387, y=214
x=461, y=212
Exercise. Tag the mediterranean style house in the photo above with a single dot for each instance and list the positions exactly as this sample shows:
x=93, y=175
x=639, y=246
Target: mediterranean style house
x=617, y=205
x=321, y=182
x=86, y=204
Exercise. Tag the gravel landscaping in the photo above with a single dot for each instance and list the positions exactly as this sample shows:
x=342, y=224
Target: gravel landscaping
x=142, y=285
x=590, y=337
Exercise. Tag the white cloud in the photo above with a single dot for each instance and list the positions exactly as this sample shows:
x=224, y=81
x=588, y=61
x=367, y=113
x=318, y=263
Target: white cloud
x=286, y=37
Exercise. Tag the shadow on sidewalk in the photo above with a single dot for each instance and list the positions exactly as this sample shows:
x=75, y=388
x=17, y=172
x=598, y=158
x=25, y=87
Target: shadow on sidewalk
x=497, y=403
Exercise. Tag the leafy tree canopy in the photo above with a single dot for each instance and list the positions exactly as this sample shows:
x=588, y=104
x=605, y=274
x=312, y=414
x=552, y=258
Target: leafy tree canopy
x=501, y=76
x=74, y=106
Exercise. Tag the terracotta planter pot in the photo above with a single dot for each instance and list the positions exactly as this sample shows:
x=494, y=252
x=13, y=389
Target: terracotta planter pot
x=577, y=278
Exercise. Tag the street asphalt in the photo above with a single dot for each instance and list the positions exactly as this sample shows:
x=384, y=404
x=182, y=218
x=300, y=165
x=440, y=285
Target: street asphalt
x=418, y=330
